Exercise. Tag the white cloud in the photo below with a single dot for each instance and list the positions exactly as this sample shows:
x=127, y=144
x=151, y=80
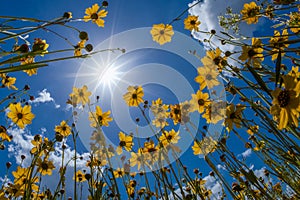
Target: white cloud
x=44, y=96
x=246, y=153
x=208, y=12
x=21, y=145
x=221, y=167
x=211, y=183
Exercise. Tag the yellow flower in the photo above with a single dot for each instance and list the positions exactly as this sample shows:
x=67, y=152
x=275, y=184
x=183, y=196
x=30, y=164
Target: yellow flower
x=259, y=145
x=130, y=191
x=40, y=46
x=137, y=158
x=80, y=95
x=21, y=179
x=119, y=172
x=26, y=61
x=253, y=129
x=45, y=167
x=277, y=42
x=207, y=78
x=186, y=108
x=20, y=115
x=169, y=137
x=191, y=23
x=80, y=177
x=253, y=53
x=162, y=33
x=151, y=151
x=215, y=112
x=286, y=102
x=294, y=22
x=99, y=118
x=8, y=81
x=207, y=75
x=234, y=116
x=200, y=101
x=175, y=113
x=125, y=142
x=3, y=134
x=205, y=146
x=294, y=72
x=134, y=96
x=64, y=129
x=159, y=110
x=250, y=12
x=93, y=14
x=80, y=45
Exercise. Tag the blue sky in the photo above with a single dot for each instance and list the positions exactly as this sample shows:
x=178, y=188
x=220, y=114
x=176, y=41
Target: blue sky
x=54, y=83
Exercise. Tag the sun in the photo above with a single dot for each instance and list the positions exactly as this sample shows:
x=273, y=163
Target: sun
x=109, y=77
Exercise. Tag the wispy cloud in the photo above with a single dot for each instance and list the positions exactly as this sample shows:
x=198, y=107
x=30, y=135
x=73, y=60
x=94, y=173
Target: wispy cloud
x=246, y=154
x=44, y=96
x=208, y=12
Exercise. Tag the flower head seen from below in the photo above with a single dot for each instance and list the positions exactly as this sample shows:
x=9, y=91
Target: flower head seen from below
x=162, y=33
x=125, y=142
x=169, y=137
x=253, y=54
x=63, y=129
x=21, y=116
x=234, y=116
x=200, y=101
x=80, y=95
x=8, y=81
x=40, y=46
x=207, y=78
x=45, y=166
x=205, y=146
x=3, y=134
x=79, y=176
x=26, y=61
x=294, y=22
x=99, y=118
x=134, y=96
x=93, y=14
x=278, y=43
x=78, y=48
x=250, y=12
x=175, y=113
x=286, y=102
x=192, y=23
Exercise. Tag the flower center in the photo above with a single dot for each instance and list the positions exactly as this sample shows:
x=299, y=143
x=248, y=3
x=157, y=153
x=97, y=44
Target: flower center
x=151, y=150
x=44, y=166
x=217, y=60
x=283, y=98
x=201, y=102
x=20, y=115
x=209, y=77
x=64, y=128
x=162, y=32
x=94, y=16
x=100, y=118
x=252, y=12
x=169, y=137
x=251, y=53
x=176, y=111
x=81, y=94
x=134, y=96
x=232, y=115
x=193, y=22
x=122, y=143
